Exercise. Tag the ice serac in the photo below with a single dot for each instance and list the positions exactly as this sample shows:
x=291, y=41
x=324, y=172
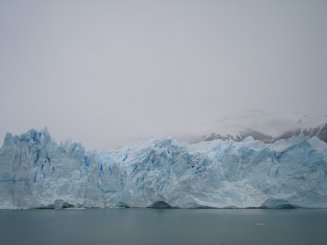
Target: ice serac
x=37, y=172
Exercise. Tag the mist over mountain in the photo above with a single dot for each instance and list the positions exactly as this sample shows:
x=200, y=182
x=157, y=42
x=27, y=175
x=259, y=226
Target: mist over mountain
x=265, y=127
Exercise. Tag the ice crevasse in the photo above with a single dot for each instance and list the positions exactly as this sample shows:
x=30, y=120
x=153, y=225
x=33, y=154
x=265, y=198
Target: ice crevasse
x=37, y=172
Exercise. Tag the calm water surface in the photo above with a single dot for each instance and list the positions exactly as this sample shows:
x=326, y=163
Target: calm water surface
x=177, y=226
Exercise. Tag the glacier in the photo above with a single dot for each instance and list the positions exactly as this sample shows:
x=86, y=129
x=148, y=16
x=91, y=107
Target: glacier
x=37, y=172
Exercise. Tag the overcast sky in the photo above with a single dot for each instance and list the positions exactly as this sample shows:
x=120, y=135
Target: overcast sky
x=106, y=72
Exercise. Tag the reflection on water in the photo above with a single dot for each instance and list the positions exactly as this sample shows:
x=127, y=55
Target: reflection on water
x=174, y=226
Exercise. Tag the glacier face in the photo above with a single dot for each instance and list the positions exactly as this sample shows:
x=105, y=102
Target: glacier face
x=36, y=172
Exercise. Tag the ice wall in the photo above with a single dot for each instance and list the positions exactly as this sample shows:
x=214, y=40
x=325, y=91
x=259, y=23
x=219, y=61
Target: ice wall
x=36, y=172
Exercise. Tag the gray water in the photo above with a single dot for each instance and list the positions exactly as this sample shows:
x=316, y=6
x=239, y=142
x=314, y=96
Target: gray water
x=176, y=226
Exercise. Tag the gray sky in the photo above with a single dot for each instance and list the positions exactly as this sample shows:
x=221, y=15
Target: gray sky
x=106, y=72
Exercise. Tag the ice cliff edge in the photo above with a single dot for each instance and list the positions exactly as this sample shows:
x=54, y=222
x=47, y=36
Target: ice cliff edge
x=37, y=172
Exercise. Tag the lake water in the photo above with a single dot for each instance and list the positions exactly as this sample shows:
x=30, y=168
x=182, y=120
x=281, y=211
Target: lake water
x=174, y=226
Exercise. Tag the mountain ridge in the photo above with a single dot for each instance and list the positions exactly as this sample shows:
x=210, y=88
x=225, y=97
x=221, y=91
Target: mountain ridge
x=319, y=131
